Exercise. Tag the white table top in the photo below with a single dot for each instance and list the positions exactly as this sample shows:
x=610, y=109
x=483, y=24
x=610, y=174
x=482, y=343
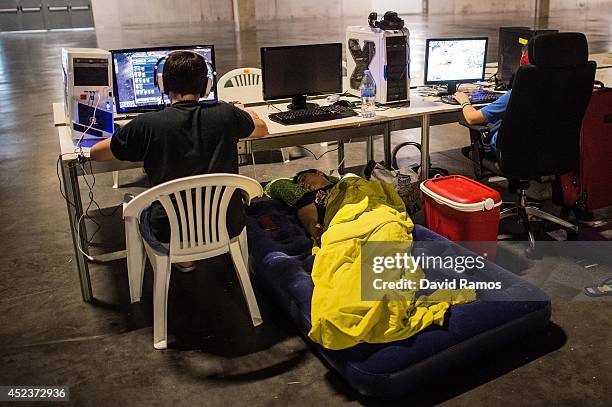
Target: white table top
x=419, y=106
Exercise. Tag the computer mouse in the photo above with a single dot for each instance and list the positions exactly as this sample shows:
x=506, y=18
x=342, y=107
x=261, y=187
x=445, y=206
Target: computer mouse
x=345, y=103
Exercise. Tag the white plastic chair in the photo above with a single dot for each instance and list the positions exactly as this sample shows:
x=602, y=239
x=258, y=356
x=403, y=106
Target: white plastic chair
x=241, y=77
x=192, y=237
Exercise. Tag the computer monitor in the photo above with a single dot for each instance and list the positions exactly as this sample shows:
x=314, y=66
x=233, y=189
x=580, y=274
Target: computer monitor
x=452, y=61
x=510, y=51
x=299, y=71
x=133, y=83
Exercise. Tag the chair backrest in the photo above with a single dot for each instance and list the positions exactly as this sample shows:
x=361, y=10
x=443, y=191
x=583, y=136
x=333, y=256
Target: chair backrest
x=241, y=77
x=540, y=131
x=196, y=207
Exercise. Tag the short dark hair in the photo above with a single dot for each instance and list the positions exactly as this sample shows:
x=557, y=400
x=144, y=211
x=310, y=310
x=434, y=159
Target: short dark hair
x=296, y=179
x=185, y=72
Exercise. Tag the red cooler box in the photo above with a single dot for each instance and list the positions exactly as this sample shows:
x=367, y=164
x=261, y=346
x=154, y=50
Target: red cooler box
x=463, y=210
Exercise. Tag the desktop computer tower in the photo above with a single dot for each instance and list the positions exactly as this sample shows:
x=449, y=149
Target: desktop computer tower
x=510, y=50
x=386, y=53
x=88, y=92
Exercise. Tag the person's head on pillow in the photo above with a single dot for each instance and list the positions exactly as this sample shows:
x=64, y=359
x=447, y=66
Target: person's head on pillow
x=311, y=179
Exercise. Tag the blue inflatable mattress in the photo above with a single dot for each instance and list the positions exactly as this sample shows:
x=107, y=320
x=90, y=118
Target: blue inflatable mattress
x=282, y=264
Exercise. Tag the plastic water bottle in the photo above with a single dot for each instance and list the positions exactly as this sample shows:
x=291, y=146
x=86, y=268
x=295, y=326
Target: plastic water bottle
x=368, y=95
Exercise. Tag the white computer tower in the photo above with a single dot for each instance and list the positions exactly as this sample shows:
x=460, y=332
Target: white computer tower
x=386, y=53
x=88, y=92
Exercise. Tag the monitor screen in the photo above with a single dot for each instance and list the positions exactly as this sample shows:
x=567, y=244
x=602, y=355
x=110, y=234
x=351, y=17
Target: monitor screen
x=455, y=60
x=510, y=50
x=301, y=70
x=134, y=87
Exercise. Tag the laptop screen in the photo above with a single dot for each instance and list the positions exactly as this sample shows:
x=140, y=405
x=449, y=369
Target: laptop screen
x=133, y=81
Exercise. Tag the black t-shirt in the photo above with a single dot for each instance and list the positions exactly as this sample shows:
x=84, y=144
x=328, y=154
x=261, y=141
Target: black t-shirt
x=186, y=139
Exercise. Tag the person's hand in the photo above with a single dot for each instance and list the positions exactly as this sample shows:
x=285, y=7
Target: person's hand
x=238, y=104
x=461, y=97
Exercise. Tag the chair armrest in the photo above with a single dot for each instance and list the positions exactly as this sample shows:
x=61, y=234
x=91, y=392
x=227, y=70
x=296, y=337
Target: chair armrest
x=476, y=127
x=128, y=197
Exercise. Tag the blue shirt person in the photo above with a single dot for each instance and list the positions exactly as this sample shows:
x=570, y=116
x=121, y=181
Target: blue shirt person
x=494, y=114
x=491, y=114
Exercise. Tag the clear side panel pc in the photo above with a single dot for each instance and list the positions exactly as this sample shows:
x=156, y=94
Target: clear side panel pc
x=88, y=92
x=386, y=53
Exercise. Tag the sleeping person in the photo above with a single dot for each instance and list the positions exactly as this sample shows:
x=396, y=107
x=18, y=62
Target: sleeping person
x=341, y=216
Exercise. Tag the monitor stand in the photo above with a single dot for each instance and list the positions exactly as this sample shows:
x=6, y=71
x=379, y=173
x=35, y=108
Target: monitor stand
x=299, y=103
x=451, y=89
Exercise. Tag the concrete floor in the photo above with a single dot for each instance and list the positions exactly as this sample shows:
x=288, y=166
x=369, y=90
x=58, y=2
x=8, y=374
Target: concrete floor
x=103, y=350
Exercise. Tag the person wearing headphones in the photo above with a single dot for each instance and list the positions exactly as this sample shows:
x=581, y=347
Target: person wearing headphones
x=186, y=138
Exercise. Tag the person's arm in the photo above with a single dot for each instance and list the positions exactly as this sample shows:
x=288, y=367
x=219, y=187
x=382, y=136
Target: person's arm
x=309, y=217
x=128, y=143
x=102, y=151
x=472, y=115
x=261, y=129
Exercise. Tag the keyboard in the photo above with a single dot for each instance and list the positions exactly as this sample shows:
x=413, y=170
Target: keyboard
x=476, y=98
x=317, y=114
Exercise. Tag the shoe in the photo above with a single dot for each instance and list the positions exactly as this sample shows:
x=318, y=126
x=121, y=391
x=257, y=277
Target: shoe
x=467, y=153
x=602, y=290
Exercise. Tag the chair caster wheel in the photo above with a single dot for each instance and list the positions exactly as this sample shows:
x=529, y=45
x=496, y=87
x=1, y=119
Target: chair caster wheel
x=532, y=253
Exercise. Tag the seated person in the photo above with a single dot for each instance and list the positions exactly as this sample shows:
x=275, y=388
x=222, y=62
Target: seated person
x=491, y=114
x=186, y=138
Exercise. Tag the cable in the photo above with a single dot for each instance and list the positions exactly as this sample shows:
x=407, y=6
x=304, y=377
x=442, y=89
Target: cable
x=319, y=157
x=78, y=230
x=329, y=151
x=92, y=120
x=90, y=185
x=92, y=202
x=271, y=105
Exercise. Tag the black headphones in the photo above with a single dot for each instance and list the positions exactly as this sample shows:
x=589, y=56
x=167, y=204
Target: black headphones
x=390, y=21
x=158, y=76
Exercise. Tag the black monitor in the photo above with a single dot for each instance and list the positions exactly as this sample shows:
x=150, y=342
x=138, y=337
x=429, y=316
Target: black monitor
x=450, y=61
x=510, y=49
x=299, y=71
x=133, y=83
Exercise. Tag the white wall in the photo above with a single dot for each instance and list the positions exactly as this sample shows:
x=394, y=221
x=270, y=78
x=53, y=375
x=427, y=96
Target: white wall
x=492, y=6
x=578, y=4
x=113, y=13
x=479, y=6
x=272, y=9
x=399, y=6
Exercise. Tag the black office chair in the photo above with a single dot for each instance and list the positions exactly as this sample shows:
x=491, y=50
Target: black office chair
x=539, y=135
